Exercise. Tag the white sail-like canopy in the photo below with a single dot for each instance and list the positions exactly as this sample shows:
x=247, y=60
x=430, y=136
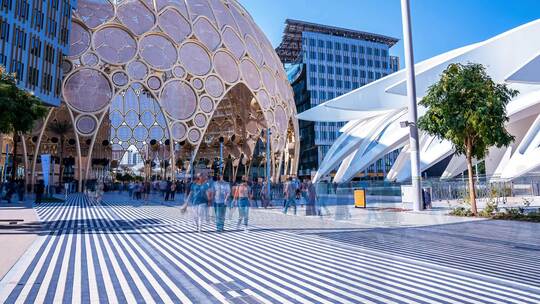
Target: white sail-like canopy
x=375, y=110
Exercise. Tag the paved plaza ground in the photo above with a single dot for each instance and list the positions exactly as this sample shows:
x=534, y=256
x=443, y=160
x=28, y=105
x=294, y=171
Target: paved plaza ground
x=128, y=252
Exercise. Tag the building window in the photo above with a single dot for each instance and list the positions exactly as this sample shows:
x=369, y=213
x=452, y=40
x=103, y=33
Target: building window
x=311, y=55
x=329, y=57
x=346, y=59
x=313, y=94
x=355, y=84
x=311, y=42
x=362, y=62
x=370, y=75
x=321, y=56
x=362, y=74
x=313, y=81
x=347, y=85
x=331, y=83
x=377, y=75
x=384, y=53
x=321, y=68
x=331, y=95
x=369, y=51
x=329, y=45
x=385, y=65
x=377, y=52
x=354, y=60
x=330, y=70
x=320, y=43
x=337, y=46
x=370, y=63
x=313, y=68
x=338, y=58
x=361, y=49
x=322, y=95
x=338, y=71
x=355, y=73
x=377, y=64
x=353, y=48
x=345, y=47
x=347, y=72
x=322, y=82
x=339, y=84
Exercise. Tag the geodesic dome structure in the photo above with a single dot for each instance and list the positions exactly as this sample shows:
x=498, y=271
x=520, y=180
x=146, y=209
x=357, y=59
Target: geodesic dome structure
x=174, y=72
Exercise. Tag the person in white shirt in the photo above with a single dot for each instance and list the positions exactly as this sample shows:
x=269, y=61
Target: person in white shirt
x=66, y=190
x=222, y=193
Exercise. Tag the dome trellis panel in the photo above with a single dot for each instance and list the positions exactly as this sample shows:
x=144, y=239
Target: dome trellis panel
x=185, y=55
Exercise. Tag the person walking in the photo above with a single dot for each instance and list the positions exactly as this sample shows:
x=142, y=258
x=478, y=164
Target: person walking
x=242, y=198
x=265, y=195
x=232, y=202
x=20, y=190
x=310, y=196
x=10, y=189
x=168, y=189
x=222, y=192
x=200, y=197
x=290, y=195
x=173, y=187
x=66, y=190
x=39, y=190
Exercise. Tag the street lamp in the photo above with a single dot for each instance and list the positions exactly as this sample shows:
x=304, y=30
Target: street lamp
x=268, y=133
x=413, y=114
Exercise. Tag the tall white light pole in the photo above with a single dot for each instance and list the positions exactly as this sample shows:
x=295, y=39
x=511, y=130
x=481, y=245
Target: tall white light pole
x=413, y=115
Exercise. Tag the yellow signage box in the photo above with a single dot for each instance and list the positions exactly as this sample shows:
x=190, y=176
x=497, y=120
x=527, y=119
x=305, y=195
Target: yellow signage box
x=359, y=198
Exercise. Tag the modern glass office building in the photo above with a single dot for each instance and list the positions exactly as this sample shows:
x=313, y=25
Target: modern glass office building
x=325, y=62
x=34, y=37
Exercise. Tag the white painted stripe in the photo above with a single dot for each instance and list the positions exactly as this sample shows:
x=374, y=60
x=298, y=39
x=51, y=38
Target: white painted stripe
x=349, y=258
x=61, y=235
x=77, y=271
x=150, y=261
x=135, y=276
x=107, y=278
x=231, y=263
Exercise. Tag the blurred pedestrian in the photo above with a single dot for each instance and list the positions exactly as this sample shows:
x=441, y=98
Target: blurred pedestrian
x=222, y=193
x=242, y=199
x=289, y=193
x=39, y=190
x=200, y=196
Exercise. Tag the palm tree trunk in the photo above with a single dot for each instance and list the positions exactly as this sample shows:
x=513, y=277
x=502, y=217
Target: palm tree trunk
x=472, y=193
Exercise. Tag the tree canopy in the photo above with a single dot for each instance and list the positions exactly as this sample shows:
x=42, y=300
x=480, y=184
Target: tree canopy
x=20, y=109
x=467, y=108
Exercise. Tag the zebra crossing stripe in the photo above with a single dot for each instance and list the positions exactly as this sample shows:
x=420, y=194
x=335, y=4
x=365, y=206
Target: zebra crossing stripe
x=180, y=257
x=213, y=243
x=277, y=276
x=453, y=291
x=114, y=252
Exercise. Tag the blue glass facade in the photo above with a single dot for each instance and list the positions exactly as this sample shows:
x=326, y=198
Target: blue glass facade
x=336, y=65
x=34, y=37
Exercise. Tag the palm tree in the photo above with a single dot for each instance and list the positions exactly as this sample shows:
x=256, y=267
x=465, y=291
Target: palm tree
x=20, y=109
x=61, y=129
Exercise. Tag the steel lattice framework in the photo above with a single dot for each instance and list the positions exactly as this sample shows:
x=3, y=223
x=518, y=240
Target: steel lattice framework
x=172, y=71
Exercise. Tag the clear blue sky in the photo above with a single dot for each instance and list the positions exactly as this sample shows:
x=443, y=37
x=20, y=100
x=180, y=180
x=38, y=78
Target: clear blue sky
x=438, y=25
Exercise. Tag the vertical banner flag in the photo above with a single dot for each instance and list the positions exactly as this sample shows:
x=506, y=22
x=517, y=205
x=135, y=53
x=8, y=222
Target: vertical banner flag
x=45, y=168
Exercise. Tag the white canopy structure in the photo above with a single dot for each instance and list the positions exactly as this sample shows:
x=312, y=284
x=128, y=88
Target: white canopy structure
x=374, y=112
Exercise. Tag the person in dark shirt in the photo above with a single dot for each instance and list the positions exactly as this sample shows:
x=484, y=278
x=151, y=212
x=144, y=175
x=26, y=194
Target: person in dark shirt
x=40, y=189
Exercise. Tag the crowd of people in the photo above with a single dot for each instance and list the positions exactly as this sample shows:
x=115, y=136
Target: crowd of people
x=11, y=188
x=203, y=196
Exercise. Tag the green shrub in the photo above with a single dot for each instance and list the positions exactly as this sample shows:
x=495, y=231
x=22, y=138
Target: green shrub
x=461, y=211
